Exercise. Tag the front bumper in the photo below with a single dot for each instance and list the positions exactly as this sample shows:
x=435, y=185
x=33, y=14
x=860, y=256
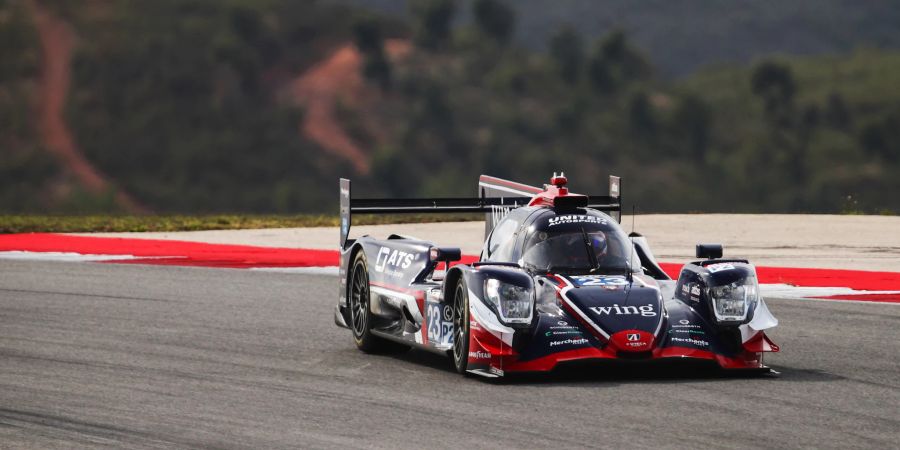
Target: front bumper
x=492, y=353
x=482, y=363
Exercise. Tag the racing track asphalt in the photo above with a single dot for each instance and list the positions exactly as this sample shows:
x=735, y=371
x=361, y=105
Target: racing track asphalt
x=97, y=355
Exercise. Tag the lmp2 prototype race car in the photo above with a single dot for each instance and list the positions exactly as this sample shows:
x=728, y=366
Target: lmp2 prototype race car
x=557, y=281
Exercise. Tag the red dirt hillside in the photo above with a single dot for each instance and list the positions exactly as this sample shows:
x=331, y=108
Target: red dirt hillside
x=339, y=77
x=57, y=42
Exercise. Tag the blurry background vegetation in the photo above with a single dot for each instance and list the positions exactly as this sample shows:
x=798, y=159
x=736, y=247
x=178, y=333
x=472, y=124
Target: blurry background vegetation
x=187, y=105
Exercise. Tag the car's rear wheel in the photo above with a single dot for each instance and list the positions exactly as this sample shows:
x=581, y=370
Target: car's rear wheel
x=460, y=327
x=361, y=318
x=360, y=315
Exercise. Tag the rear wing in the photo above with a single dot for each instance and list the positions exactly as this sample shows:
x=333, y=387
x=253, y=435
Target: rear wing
x=350, y=205
x=496, y=198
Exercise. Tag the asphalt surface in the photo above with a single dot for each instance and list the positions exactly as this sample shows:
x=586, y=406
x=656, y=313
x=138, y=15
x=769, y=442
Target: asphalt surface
x=103, y=355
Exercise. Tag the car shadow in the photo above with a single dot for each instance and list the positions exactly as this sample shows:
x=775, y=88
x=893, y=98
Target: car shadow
x=616, y=371
x=619, y=372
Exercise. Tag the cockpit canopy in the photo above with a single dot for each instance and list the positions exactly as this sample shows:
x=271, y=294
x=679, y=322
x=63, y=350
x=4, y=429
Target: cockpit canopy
x=587, y=242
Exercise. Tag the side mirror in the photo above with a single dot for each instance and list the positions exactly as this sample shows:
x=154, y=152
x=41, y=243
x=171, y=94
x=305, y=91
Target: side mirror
x=709, y=251
x=444, y=254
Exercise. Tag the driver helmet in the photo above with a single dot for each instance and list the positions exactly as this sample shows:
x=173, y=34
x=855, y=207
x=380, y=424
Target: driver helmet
x=598, y=243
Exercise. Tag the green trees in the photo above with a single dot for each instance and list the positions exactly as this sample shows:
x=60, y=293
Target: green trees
x=615, y=63
x=567, y=51
x=186, y=105
x=369, y=41
x=881, y=138
x=692, y=122
x=774, y=83
x=432, y=22
x=27, y=171
x=495, y=19
x=176, y=102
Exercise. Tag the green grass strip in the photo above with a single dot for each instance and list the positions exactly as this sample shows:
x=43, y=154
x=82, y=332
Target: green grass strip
x=106, y=223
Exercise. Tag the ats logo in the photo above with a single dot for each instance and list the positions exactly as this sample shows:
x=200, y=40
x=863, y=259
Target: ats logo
x=392, y=259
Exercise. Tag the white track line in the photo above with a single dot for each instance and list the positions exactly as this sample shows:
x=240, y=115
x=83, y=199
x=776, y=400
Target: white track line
x=766, y=290
x=61, y=256
x=302, y=270
x=789, y=291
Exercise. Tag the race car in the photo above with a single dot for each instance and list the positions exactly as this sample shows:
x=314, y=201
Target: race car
x=557, y=281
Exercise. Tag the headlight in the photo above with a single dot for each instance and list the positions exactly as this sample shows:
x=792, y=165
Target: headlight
x=514, y=303
x=732, y=302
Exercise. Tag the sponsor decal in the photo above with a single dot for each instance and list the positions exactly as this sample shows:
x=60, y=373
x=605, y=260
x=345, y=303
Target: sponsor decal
x=692, y=341
x=569, y=342
x=695, y=293
x=389, y=261
x=439, y=331
x=643, y=310
x=555, y=333
x=600, y=280
x=447, y=333
x=690, y=331
x=685, y=289
x=448, y=313
x=634, y=340
x=559, y=220
x=473, y=324
x=563, y=325
x=713, y=268
x=496, y=371
x=684, y=323
x=479, y=355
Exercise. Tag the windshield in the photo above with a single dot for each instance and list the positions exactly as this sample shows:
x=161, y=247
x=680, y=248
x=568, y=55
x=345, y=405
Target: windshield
x=589, y=245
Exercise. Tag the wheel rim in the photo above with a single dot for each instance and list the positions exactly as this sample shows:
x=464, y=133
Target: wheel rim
x=359, y=299
x=459, y=323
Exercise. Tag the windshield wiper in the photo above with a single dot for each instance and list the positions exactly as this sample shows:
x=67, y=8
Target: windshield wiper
x=595, y=265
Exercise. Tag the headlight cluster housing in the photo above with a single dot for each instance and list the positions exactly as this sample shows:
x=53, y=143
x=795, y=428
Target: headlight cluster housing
x=732, y=302
x=513, y=303
x=725, y=291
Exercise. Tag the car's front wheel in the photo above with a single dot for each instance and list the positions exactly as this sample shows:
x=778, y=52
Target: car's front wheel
x=460, y=327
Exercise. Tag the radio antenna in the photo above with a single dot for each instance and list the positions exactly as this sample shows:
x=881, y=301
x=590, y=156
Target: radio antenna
x=630, y=239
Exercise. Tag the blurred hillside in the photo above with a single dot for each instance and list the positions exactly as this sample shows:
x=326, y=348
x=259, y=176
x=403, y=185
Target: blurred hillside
x=260, y=105
x=681, y=36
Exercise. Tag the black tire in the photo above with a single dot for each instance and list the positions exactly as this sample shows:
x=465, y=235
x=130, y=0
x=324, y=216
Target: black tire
x=361, y=317
x=460, y=353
